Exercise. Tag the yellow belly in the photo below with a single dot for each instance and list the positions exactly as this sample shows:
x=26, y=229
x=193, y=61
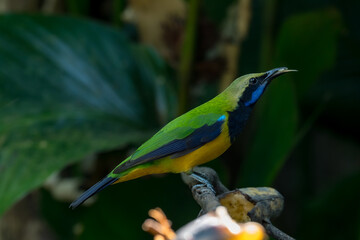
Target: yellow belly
x=204, y=154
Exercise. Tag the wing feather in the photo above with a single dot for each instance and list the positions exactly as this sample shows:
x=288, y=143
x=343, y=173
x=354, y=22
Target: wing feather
x=183, y=139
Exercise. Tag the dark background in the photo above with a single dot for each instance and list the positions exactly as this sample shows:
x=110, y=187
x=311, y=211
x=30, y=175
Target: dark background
x=83, y=83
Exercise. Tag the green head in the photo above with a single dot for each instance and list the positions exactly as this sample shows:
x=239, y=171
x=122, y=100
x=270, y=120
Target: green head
x=243, y=93
x=250, y=87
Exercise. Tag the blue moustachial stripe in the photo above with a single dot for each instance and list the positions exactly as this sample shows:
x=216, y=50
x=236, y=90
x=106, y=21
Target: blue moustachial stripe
x=256, y=95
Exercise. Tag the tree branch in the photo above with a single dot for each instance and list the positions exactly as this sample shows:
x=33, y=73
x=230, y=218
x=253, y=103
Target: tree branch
x=276, y=233
x=202, y=194
x=244, y=205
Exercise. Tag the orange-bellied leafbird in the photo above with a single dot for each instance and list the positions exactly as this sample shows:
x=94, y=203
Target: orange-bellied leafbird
x=194, y=138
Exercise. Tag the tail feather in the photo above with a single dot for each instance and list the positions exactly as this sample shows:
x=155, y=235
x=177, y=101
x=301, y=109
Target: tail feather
x=93, y=190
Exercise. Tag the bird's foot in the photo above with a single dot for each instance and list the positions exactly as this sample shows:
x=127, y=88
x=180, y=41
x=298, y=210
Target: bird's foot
x=203, y=181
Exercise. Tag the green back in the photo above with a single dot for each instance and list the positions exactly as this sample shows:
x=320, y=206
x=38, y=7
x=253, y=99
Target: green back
x=181, y=127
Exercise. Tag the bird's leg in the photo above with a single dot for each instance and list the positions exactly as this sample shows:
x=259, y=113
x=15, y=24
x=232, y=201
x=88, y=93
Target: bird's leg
x=200, y=178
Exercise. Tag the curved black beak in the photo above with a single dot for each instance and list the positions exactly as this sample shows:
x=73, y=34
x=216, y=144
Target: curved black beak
x=276, y=72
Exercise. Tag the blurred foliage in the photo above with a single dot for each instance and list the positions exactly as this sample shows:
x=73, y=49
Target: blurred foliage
x=119, y=213
x=311, y=35
x=275, y=133
x=78, y=7
x=70, y=88
x=277, y=119
x=65, y=94
x=327, y=208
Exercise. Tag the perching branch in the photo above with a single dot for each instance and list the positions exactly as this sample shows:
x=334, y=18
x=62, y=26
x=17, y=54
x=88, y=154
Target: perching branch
x=276, y=233
x=244, y=205
x=202, y=194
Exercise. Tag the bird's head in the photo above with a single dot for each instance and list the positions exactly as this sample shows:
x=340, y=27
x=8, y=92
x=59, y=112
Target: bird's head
x=249, y=88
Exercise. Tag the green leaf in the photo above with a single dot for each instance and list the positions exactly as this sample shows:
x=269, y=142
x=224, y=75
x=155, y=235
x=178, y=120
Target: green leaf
x=70, y=88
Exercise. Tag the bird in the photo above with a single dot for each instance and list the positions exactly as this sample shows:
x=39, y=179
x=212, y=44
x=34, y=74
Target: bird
x=194, y=138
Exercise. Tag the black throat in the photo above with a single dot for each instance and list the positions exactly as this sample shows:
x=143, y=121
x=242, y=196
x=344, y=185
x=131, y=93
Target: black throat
x=237, y=119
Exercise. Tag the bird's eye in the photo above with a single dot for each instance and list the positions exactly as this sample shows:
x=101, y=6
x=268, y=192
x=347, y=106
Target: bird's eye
x=253, y=80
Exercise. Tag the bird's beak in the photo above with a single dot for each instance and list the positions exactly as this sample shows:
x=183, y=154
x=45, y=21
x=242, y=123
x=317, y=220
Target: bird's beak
x=276, y=72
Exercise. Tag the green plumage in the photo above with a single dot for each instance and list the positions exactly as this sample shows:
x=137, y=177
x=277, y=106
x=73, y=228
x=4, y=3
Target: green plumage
x=181, y=127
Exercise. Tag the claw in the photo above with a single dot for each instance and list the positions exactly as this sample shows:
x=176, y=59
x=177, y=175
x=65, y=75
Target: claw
x=202, y=180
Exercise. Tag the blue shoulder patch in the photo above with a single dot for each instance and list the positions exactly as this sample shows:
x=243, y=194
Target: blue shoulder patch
x=222, y=118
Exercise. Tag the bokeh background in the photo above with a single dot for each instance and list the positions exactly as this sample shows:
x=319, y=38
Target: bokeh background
x=84, y=82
